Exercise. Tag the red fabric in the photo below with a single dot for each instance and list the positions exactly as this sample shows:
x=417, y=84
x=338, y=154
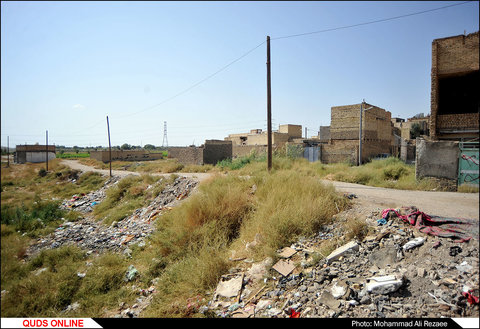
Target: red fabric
x=456, y=228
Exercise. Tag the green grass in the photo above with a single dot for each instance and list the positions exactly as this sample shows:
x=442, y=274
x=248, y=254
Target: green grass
x=69, y=155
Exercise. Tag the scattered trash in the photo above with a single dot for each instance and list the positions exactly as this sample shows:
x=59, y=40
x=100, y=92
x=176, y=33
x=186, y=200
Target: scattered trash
x=455, y=250
x=384, y=284
x=293, y=313
x=131, y=273
x=464, y=267
x=284, y=267
x=413, y=243
x=381, y=221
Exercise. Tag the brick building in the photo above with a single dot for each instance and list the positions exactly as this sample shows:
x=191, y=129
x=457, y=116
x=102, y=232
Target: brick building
x=257, y=137
x=454, y=88
x=344, y=140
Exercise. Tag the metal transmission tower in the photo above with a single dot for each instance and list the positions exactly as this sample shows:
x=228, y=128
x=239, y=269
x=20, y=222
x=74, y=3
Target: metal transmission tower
x=165, y=140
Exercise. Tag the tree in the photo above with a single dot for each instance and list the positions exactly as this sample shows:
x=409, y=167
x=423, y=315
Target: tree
x=149, y=147
x=126, y=146
x=415, y=131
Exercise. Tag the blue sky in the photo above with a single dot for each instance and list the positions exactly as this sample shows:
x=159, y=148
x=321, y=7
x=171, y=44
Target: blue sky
x=65, y=66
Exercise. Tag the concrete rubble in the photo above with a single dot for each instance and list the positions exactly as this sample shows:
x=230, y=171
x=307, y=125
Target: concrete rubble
x=85, y=203
x=394, y=272
x=96, y=237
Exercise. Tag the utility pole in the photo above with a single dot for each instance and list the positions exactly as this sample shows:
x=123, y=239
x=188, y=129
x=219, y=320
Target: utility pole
x=109, y=147
x=165, y=139
x=46, y=153
x=269, y=109
x=8, y=151
x=360, y=136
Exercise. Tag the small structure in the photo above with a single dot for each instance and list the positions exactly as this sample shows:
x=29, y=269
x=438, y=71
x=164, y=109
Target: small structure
x=211, y=152
x=34, y=153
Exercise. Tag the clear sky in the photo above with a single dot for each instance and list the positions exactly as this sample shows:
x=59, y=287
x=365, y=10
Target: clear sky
x=66, y=66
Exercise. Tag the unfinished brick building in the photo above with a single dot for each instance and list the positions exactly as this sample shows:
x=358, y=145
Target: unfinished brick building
x=344, y=133
x=455, y=82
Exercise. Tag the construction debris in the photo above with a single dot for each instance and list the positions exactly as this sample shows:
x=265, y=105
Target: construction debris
x=395, y=272
x=96, y=237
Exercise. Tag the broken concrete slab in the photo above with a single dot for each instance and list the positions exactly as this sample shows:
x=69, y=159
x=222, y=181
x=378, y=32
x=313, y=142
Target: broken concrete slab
x=284, y=267
x=287, y=252
x=339, y=252
x=229, y=288
x=327, y=299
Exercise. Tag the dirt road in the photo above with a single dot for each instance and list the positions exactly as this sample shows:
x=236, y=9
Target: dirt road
x=447, y=204
x=74, y=164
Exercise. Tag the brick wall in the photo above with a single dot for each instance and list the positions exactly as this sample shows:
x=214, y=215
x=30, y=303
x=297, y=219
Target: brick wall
x=452, y=56
x=187, y=155
x=125, y=155
x=216, y=150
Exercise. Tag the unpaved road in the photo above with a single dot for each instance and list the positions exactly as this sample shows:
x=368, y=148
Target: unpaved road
x=74, y=164
x=446, y=204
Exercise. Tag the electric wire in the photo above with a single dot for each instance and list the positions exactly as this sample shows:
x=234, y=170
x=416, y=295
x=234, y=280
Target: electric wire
x=369, y=22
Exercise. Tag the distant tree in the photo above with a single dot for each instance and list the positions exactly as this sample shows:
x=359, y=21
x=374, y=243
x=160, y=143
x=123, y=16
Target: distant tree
x=149, y=147
x=415, y=131
x=126, y=146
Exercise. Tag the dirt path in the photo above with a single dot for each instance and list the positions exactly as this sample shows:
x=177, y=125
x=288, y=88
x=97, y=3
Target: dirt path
x=74, y=164
x=447, y=204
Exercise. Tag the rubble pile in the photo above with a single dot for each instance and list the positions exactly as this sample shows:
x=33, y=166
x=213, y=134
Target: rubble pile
x=394, y=272
x=85, y=203
x=96, y=237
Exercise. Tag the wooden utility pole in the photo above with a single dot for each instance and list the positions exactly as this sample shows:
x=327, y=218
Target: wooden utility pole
x=109, y=147
x=269, y=109
x=46, y=153
x=360, y=136
x=8, y=151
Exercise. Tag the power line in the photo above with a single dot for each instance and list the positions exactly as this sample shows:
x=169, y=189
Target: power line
x=370, y=22
x=196, y=84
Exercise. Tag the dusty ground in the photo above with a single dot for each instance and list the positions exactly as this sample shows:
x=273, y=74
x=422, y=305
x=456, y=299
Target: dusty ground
x=74, y=164
x=447, y=204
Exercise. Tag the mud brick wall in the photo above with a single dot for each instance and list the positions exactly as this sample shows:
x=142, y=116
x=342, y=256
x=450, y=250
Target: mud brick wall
x=339, y=151
x=187, y=155
x=217, y=150
x=246, y=150
x=125, y=155
x=461, y=120
x=451, y=56
x=324, y=134
x=35, y=148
